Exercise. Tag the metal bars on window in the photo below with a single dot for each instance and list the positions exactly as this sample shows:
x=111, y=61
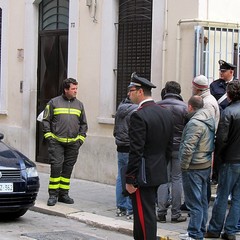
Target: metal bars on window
x=134, y=42
x=213, y=43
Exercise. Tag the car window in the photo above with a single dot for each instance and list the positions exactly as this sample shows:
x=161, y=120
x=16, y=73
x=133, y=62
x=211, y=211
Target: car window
x=5, y=151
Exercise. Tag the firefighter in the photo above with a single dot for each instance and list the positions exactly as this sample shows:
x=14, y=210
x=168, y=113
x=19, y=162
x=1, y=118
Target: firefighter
x=64, y=126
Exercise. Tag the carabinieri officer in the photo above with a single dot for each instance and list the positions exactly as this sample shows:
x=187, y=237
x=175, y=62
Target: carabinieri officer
x=218, y=87
x=151, y=135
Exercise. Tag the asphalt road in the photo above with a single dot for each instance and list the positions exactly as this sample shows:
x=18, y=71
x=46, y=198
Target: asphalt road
x=38, y=226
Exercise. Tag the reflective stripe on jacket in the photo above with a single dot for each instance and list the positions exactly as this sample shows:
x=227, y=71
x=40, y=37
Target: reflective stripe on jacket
x=65, y=120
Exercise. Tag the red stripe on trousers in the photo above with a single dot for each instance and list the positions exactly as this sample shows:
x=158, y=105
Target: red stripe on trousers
x=140, y=212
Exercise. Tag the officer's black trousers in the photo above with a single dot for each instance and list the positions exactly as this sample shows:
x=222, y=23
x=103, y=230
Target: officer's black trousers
x=145, y=222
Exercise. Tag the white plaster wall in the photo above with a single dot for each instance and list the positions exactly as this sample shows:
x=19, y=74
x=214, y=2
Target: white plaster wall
x=179, y=62
x=97, y=160
x=96, y=62
x=224, y=10
x=4, y=59
x=159, y=40
x=12, y=71
x=92, y=60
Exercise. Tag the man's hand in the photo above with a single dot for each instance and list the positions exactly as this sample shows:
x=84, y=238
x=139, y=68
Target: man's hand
x=130, y=188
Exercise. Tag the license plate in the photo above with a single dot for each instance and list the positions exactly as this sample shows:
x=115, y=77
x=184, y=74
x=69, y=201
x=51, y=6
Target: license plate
x=6, y=187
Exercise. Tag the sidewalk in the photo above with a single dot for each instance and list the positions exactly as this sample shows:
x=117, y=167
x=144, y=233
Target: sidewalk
x=95, y=205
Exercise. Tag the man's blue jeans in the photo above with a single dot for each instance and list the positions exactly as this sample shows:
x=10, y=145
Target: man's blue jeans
x=228, y=183
x=195, y=192
x=121, y=201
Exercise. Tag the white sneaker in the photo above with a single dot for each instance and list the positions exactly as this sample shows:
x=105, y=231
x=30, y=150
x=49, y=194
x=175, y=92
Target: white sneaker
x=184, y=236
x=120, y=212
x=129, y=215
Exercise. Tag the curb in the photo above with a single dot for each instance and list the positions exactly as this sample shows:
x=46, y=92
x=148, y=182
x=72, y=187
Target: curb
x=95, y=220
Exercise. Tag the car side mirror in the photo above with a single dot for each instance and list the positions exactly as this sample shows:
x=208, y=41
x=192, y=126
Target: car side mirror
x=1, y=136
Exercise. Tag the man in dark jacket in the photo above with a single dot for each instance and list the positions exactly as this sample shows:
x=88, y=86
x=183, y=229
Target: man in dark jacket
x=120, y=132
x=65, y=128
x=150, y=132
x=174, y=102
x=228, y=151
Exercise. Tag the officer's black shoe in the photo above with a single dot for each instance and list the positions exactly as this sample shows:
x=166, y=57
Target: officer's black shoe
x=52, y=200
x=65, y=199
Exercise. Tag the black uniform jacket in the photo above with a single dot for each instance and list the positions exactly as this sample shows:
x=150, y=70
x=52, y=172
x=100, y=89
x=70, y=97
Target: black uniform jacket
x=151, y=137
x=218, y=89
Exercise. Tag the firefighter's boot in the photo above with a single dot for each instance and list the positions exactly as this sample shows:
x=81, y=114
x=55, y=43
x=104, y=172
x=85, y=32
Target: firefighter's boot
x=64, y=198
x=52, y=200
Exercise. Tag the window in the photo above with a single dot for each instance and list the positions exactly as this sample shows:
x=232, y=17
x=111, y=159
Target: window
x=134, y=42
x=53, y=14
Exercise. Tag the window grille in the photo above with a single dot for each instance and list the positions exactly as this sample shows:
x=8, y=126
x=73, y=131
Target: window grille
x=134, y=42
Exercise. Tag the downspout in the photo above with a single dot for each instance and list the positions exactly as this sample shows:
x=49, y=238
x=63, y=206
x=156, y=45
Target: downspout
x=208, y=22
x=165, y=33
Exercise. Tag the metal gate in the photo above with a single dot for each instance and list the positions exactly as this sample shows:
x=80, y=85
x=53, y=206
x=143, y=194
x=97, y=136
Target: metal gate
x=215, y=41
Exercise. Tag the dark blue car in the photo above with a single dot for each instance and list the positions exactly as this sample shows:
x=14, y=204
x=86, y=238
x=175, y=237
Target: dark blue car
x=19, y=182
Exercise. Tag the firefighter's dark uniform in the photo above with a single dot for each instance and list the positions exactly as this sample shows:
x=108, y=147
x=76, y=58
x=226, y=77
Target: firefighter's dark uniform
x=65, y=127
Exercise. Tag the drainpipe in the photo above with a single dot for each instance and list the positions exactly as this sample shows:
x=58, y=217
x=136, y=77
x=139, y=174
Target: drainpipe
x=208, y=22
x=165, y=33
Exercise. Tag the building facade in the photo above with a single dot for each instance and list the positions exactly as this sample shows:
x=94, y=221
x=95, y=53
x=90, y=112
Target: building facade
x=100, y=43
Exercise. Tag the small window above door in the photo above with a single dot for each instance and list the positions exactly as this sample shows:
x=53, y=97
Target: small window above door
x=53, y=15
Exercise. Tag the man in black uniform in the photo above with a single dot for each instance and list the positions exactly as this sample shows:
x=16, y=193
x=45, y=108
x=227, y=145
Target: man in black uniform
x=218, y=87
x=150, y=133
x=218, y=90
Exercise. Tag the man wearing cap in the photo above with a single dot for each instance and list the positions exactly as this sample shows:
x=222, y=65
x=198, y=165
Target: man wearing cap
x=200, y=87
x=218, y=87
x=150, y=134
x=218, y=90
